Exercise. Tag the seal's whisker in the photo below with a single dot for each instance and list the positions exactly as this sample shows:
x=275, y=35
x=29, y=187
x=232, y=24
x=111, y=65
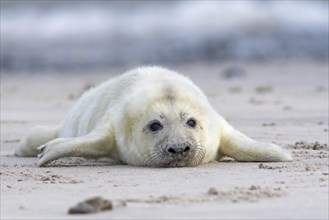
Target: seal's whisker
x=147, y=157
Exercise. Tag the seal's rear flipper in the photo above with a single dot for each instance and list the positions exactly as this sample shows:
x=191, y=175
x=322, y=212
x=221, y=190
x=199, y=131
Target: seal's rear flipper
x=37, y=136
x=242, y=148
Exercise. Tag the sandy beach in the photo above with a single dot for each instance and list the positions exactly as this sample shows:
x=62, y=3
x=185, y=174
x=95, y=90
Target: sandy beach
x=281, y=102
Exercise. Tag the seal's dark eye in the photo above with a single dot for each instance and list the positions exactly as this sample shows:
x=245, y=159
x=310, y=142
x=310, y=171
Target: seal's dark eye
x=155, y=126
x=191, y=122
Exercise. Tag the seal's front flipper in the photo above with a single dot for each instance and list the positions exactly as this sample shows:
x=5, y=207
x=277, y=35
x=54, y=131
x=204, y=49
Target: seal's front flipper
x=242, y=148
x=35, y=137
x=89, y=146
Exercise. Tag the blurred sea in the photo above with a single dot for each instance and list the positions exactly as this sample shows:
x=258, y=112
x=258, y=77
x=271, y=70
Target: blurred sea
x=38, y=36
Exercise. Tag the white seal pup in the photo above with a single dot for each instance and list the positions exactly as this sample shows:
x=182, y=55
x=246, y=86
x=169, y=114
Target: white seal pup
x=149, y=116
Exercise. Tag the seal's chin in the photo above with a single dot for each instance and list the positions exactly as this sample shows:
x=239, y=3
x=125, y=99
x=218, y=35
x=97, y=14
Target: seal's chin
x=177, y=164
x=181, y=163
x=167, y=163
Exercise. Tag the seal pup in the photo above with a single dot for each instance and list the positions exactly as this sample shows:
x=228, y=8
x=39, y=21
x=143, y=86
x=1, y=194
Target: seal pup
x=149, y=116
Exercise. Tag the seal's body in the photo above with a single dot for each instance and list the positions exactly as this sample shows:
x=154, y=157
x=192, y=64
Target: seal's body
x=149, y=116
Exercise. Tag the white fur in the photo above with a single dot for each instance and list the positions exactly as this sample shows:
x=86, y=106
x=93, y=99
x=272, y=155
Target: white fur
x=108, y=120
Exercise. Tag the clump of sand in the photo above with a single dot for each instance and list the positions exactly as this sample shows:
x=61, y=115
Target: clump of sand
x=309, y=145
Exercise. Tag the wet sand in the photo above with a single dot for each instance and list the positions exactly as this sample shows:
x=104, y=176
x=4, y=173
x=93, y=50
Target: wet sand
x=284, y=103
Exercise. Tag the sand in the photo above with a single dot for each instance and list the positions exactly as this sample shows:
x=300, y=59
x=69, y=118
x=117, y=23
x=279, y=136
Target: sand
x=284, y=103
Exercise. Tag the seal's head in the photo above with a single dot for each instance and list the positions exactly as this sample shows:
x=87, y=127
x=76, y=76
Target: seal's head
x=173, y=138
x=166, y=130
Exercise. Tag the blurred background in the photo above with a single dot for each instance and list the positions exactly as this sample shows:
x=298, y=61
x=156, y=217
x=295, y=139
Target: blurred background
x=70, y=36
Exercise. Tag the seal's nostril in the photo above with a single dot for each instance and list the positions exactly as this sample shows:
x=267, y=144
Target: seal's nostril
x=186, y=149
x=171, y=150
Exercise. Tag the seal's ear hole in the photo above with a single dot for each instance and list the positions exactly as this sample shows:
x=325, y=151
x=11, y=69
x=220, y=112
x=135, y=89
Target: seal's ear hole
x=155, y=126
x=191, y=122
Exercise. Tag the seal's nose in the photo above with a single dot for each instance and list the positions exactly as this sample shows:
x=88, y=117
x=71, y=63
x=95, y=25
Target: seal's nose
x=178, y=149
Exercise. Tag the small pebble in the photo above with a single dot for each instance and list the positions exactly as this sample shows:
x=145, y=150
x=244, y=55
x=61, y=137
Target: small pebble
x=253, y=187
x=92, y=205
x=212, y=191
x=234, y=72
x=264, y=89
